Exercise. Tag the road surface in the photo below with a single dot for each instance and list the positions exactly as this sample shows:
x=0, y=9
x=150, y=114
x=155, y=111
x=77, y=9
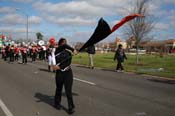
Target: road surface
x=28, y=90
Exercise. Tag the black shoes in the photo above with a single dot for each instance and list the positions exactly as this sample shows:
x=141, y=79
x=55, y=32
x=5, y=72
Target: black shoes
x=49, y=69
x=71, y=110
x=91, y=67
x=57, y=106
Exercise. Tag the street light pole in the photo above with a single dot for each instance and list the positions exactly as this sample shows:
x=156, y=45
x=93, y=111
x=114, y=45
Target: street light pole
x=27, y=23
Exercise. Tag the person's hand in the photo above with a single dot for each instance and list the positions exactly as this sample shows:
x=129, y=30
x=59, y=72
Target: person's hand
x=75, y=52
x=55, y=67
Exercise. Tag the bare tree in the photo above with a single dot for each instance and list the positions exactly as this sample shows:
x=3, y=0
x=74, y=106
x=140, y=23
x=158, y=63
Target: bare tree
x=140, y=28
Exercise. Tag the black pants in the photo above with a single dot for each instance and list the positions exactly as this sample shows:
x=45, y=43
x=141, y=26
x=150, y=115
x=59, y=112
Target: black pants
x=24, y=58
x=33, y=56
x=4, y=56
x=12, y=57
x=43, y=55
x=66, y=79
x=40, y=55
x=16, y=57
x=119, y=66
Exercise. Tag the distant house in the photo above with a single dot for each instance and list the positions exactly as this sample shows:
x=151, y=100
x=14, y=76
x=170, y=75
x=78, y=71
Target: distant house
x=153, y=46
x=111, y=46
x=159, y=46
x=170, y=45
x=120, y=41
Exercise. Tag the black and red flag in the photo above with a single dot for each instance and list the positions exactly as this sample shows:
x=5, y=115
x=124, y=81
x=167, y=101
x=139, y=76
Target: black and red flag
x=103, y=30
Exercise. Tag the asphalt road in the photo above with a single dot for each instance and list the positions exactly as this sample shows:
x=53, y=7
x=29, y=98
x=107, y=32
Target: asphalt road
x=28, y=90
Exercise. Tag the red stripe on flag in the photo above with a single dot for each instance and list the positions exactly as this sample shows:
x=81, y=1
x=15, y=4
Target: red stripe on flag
x=126, y=19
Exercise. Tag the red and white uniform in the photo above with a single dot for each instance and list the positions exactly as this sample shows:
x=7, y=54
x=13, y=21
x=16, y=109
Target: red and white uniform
x=3, y=51
x=24, y=50
x=34, y=50
x=17, y=50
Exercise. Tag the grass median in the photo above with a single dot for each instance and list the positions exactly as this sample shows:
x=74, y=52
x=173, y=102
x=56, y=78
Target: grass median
x=148, y=64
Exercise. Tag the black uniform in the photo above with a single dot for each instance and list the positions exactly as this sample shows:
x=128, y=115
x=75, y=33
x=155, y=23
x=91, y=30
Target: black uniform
x=64, y=76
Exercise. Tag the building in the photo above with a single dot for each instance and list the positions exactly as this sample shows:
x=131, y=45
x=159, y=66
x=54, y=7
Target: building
x=170, y=45
x=131, y=43
x=159, y=46
x=120, y=41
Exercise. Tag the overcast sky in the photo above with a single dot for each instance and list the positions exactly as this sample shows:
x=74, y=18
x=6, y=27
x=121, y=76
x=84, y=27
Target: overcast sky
x=77, y=19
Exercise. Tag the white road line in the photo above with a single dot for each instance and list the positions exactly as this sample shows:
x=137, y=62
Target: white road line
x=5, y=109
x=87, y=82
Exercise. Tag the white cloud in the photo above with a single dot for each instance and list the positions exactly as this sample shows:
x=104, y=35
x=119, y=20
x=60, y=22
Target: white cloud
x=171, y=15
x=161, y=26
x=78, y=21
x=114, y=22
x=7, y=10
x=13, y=19
x=108, y=3
x=81, y=13
x=34, y=20
x=5, y=29
x=160, y=2
x=172, y=21
x=23, y=1
x=169, y=1
x=18, y=33
x=167, y=17
x=77, y=8
x=79, y=36
x=13, y=29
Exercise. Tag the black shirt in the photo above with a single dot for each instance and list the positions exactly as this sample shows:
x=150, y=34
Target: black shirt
x=63, y=56
x=91, y=49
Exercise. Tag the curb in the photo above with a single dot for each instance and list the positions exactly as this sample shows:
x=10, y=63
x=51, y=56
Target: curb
x=146, y=75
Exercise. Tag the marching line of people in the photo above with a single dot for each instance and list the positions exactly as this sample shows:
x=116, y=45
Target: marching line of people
x=12, y=53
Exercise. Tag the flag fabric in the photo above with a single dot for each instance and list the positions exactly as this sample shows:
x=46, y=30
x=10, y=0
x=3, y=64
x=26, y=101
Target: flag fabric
x=124, y=20
x=103, y=30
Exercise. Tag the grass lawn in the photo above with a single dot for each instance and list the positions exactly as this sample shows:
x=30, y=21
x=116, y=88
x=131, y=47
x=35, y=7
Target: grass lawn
x=148, y=64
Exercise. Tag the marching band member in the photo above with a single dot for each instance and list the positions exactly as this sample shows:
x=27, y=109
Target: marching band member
x=17, y=53
x=51, y=57
x=7, y=51
x=44, y=52
x=34, y=53
x=51, y=54
x=24, y=54
x=12, y=53
x=4, y=53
